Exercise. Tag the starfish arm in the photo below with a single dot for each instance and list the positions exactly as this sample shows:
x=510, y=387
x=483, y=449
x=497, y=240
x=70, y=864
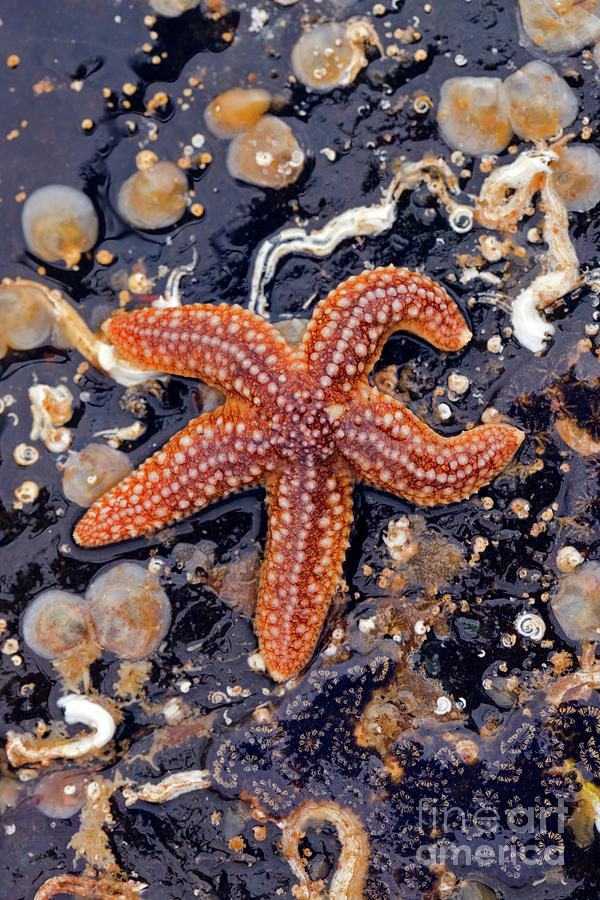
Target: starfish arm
x=390, y=448
x=310, y=512
x=350, y=326
x=227, y=346
x=214, y=455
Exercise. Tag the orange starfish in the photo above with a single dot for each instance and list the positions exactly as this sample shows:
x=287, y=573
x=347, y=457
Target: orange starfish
x=306, y=423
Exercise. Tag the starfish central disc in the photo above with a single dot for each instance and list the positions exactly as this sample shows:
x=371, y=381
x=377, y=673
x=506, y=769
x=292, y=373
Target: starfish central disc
x=306, y=424
x=303, y=423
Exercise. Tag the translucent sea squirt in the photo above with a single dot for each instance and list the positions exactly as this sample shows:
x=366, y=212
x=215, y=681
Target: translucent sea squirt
x=60, y=795
x=59, y=223
x=332, y=55
x=473, y=115
x=154, y=197
x=54, y=624
x=561, y=26
x=541, y=103
x=267, y=155
x=236, y=110
x=91, y=472
x=26, y=318
x=577, y=177
x=129, y=611
x=576, y=606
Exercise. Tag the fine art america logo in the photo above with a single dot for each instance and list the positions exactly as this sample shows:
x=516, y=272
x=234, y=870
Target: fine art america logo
x=489, y=835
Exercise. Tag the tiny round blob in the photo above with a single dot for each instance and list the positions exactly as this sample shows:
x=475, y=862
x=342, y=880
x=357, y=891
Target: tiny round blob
x=578, y=177
x=54, y=624
x=332, y=55
x=26, y=318
x=61, y=795
x=473, y=115
x=236, y=110
x=93, y=471
x=154, y=198
x=129, y=611
x=172, y=8
x=561, y=26
x=267, y=155
x=576, y=606
x=540, y=102
x=59, y=223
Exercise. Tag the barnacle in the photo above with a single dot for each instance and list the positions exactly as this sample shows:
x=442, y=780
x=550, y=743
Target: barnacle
x=51, y=408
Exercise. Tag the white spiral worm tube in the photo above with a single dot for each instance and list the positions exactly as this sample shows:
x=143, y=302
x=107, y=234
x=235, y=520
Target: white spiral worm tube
x=530, y=625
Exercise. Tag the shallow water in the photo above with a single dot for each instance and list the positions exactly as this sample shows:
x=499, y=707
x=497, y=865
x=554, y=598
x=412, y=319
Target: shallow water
x=69, y=54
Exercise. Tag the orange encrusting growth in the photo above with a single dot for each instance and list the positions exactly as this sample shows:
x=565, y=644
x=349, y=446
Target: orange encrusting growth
x=306, y=424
